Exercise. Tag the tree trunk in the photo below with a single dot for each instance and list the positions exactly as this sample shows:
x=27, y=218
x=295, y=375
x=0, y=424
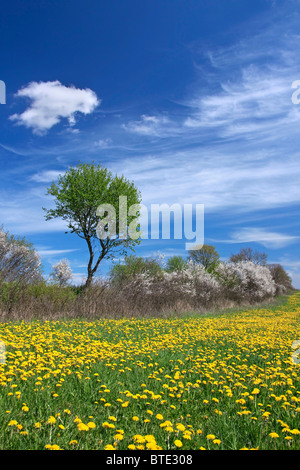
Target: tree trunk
x=89, y=280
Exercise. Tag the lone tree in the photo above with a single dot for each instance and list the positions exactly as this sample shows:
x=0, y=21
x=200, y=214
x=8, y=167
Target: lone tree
x=280, y=276
x=78, y=195
x=132, y=266
x=176, y=263
x=206, y=255
x=247, y=254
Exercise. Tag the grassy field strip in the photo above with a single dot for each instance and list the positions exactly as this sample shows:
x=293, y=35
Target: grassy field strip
x=215, y=382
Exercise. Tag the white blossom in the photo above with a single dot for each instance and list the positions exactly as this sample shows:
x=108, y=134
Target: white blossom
x=246, y=279
x=18, y=262
x=61, y=272
x=236, y=281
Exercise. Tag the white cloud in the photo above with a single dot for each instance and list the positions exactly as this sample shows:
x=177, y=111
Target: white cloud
x=46, y=176
x=103, y=143
x=158, y=126
x=226, y=179
x=22, y=214
x=233, y=145
x=245, y=88
x=78, y=279
x=264, y=237
x=44, y=252
x=51, y=102
x=257, y=102
x=292, y=264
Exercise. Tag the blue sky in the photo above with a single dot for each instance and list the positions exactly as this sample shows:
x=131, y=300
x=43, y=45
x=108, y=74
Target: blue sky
x=190, y=99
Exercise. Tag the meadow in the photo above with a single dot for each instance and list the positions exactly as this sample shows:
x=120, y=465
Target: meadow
x=217, y=381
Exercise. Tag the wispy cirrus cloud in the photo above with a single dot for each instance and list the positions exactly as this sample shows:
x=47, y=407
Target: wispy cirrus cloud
x=253, y=107
x=233, y=143
x=251, y=81
x=154, y=125
x=244, y=94
x=103, y=143
x=50, y=102
x=223, y=179
x=264, y=237
x=47, y=252
x=46, y=176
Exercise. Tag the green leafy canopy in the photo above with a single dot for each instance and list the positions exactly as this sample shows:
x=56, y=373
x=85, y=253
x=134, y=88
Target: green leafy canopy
x=79, y=192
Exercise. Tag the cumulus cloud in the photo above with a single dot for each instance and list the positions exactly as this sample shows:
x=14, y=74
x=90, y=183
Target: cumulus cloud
x=50, y=102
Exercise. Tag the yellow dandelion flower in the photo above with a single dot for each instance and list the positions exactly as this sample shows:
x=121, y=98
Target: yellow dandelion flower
x=217, y=441
x=91, y=425
x=169, y=429
x=149, y=438
x=178, y=443
x=51, y=420
x=294, y=431
x=180, y=427
x=152, y=446
x=139, y=439
x=13, y=422
x=108, y=425
x=82, y=427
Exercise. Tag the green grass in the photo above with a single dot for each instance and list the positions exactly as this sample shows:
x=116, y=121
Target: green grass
x=224, y=375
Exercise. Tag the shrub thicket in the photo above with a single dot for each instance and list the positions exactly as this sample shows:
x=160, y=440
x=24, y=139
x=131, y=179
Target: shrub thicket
x=135, y=286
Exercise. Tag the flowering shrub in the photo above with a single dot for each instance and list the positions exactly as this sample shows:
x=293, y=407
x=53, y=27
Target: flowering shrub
x=20, y=266
x=61, y=273
x=193, y=281
x=195, y=287
x=19, y=262
x=246, y=280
